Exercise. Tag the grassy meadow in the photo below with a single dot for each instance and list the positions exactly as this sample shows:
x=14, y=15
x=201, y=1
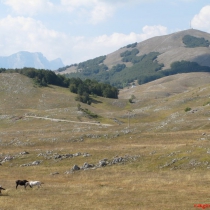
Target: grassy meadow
x=168, y=149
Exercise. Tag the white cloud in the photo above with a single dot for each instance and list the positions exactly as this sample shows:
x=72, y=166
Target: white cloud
x=91, y=7
x=101, y=12
x=103, y=45
x=119, y=40
x=93, y=11
x=28, y=7
x=21, y=33
x=27, y=34
x=151, y=31
x=78, y=3
x=202, y=19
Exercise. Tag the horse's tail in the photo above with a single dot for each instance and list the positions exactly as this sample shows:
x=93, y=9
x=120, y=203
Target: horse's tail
x=42, y=182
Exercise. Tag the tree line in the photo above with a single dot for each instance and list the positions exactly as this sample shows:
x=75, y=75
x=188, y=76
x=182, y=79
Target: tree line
x=177, y=67
x=83, y=88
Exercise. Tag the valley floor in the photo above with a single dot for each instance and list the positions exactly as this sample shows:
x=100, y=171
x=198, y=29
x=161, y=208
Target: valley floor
x=162, y=171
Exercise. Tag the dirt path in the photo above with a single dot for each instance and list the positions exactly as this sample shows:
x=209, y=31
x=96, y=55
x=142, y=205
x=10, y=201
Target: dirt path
x=60, y=120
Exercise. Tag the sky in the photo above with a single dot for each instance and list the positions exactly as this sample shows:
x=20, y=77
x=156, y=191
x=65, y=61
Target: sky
x=78, y=30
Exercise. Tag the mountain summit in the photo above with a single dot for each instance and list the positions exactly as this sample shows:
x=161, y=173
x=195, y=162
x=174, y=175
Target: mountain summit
x=181, y=52
x=27, y=59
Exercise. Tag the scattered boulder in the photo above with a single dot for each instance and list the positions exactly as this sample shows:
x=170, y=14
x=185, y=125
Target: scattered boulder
x=75, y=168
x=86, y=155
x=54, y=173
x=50, y=155
x=34, y=163
x=77, y=154
x=37, y=162
x=24, y=153
x=102, y=163
x=87, y=166
x=7, y=158
x=118, y=160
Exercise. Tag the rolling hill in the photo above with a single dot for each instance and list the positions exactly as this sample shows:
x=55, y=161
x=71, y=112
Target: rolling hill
x=147, y=148
x=154, y=101
x=180, y=52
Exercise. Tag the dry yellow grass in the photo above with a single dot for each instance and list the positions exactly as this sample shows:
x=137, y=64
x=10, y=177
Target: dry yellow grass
x=135, y=185
x=171, y=171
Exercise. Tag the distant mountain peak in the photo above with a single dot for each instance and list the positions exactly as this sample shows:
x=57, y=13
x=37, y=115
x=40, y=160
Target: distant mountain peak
x=28, y=59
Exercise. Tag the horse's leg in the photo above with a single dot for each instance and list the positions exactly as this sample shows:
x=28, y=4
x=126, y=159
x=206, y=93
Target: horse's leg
x=16, y=186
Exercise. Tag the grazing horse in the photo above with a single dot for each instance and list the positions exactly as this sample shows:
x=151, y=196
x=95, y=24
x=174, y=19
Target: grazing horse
x=21, y=182
x=1, y=188
x=33, y=183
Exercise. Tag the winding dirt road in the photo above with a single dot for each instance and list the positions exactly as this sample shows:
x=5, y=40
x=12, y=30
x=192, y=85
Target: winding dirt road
x=60, y=120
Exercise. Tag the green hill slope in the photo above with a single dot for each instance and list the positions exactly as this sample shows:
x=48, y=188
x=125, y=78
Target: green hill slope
x=153, y=102
x=148, y=60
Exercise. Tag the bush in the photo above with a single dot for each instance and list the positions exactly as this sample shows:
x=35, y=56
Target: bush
x=131, y=45
x=89, y=113
x=206, y=103
x=187, y=109
x=84, y=98
x=131, y=99
x=191, y=41
x=129, y=53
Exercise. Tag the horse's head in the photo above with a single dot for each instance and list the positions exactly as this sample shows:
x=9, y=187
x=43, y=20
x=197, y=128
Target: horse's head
x=26, y=184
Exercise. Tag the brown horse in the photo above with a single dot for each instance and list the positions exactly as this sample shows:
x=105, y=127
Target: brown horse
x=1, y=188
x=21, y=183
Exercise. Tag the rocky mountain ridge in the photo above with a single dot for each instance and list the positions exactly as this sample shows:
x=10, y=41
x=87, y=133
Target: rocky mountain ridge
x=27, y=59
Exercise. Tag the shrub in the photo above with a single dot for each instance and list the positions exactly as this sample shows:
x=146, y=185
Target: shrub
x=206, y=103
x=89, y=113
x=131, y=45
x=131, y=99
x=187, y=109
x=191, y=41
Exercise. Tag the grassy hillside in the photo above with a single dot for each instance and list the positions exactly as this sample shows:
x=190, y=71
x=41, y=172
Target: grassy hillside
x=148, y=60
x=151, y=146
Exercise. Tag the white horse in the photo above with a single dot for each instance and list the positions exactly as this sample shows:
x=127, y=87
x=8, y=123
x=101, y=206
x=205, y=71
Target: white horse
x=33, y=183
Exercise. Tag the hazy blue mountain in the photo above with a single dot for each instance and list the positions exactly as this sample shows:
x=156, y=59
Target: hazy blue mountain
x=27, y=59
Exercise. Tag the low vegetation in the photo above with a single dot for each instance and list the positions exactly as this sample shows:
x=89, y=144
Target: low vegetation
x=187, y=109
x=44, y=78
x=192, y=41
x=131, y=45
x=120, y=76
x=176, y=68
x=89, y=113
x=132, y=98
x=144, y=69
